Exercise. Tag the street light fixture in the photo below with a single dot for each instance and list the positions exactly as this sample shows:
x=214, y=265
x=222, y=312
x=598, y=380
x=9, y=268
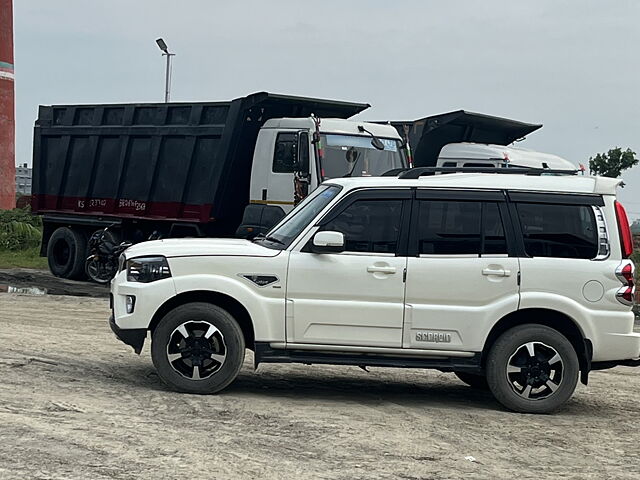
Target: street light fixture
x=167, y=82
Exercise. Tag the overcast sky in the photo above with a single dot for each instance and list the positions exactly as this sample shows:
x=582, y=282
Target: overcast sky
x=572, y=65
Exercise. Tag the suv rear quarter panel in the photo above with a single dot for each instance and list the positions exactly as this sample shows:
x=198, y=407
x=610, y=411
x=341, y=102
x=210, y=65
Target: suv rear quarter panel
x=585, y=290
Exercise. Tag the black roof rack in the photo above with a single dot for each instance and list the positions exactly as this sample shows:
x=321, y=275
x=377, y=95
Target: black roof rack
x=413, y=173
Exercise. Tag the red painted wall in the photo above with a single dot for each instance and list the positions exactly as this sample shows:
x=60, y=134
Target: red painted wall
x=7, y=109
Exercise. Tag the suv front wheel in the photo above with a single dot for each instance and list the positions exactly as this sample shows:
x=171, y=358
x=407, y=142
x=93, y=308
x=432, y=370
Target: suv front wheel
x=198, y=348
x=532, y=369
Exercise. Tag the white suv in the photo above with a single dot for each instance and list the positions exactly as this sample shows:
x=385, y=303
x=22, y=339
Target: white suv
x=519, y=283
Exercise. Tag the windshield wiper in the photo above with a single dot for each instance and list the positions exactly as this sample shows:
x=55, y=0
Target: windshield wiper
x=357, y=154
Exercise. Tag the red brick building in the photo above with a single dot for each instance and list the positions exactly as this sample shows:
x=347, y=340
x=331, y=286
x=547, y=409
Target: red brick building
x=7, y=134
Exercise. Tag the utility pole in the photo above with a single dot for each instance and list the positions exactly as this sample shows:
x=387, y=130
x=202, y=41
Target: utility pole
x=167, y=80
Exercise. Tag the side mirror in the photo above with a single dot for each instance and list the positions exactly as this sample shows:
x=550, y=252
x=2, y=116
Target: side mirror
x=377, y=143
x=328, y=242
x=302, y=163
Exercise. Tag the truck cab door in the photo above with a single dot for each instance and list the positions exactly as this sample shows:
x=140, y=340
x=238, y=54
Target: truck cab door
x=288, y=178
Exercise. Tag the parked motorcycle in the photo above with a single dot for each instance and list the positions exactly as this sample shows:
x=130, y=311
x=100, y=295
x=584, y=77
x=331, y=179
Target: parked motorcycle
x=102, y=263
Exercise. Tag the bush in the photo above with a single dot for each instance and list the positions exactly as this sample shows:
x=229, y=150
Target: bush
x=22, y=215
x=19, y=229
x=636, y=259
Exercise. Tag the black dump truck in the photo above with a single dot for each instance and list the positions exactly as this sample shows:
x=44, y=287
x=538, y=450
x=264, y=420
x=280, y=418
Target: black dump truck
x=180, y=169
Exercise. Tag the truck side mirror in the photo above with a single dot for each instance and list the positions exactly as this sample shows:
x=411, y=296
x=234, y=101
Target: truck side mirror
x=377, y=143
x=302, y=163
x=328, y=242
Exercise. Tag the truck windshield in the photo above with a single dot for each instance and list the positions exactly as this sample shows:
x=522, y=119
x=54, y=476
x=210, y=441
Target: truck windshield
x=354, y=156
x=291, y=226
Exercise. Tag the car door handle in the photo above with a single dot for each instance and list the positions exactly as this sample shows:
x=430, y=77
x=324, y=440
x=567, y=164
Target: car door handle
x=374, y=269
x=499, y=272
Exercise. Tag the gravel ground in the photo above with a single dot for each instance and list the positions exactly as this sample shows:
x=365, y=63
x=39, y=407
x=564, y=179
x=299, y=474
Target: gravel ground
x=77, y=404
x=43, y=279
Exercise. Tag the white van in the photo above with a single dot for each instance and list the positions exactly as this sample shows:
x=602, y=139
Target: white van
x=478, y=155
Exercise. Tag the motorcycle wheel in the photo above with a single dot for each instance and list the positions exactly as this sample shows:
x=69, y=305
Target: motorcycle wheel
x=99, y=271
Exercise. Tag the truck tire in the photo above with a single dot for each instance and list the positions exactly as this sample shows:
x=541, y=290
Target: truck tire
x=532, y=369
x=66, y=253
x=198, y=348
x=476, y=381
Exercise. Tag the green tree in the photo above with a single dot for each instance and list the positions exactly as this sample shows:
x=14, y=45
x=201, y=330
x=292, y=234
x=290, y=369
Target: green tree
x=612, y=163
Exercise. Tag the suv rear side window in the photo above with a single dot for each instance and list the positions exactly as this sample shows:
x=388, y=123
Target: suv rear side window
x=371, y=226
x=561, y=231
x=459, y=228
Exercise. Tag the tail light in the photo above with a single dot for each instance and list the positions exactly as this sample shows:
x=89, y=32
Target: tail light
x=625, y=274
x=625, y=295
x=626, y=240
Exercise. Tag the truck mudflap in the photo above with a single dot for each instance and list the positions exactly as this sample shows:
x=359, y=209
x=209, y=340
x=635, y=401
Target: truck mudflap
x=133, y=337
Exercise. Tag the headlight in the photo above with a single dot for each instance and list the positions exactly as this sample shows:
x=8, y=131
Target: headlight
x=147, y=269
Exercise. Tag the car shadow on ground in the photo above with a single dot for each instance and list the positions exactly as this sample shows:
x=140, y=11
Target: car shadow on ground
x=442, y=391
x=320, y=387
x=372, y=389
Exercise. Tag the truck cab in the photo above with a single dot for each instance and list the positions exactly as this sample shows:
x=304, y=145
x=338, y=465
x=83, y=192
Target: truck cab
x=480, y=155
x=295, y=155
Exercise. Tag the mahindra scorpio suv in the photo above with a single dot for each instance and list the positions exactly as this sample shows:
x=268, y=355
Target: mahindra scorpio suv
x=517, y=283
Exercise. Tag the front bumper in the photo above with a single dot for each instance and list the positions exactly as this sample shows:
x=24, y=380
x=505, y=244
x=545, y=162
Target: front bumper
x=134, y=337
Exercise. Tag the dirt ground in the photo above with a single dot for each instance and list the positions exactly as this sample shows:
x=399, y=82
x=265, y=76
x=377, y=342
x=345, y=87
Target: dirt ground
x=42, y=279
x=77, y=404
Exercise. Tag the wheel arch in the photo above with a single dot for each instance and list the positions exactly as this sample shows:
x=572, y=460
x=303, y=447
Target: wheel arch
x=237, y=310
x=559, y=321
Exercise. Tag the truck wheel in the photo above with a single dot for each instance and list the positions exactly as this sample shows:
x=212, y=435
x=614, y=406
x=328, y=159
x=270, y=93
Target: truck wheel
x=198, y=348
x=532, y=369
x=473, y=380
x=66, y=253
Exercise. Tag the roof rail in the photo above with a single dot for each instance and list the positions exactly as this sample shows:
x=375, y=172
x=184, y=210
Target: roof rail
x=414, y=173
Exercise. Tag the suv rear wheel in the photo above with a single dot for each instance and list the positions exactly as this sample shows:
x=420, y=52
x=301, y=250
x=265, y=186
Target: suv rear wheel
x=532, y=369
x=198, y=348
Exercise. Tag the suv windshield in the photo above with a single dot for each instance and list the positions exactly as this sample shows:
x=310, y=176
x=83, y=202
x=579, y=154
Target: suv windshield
x=354, y=156
x=291, y=226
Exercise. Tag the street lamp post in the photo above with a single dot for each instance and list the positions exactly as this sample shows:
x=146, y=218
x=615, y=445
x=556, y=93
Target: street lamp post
x=167, y=81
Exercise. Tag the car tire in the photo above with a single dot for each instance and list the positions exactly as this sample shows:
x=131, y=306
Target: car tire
x=532, y=369
x=66, y=253
x=473, y=380
x=180, y=345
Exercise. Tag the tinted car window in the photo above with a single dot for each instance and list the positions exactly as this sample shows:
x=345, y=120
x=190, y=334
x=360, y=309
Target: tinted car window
x=297, y=220
x=369, y=225
x=460, y=228
x=448, y=227
x=566, y=231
